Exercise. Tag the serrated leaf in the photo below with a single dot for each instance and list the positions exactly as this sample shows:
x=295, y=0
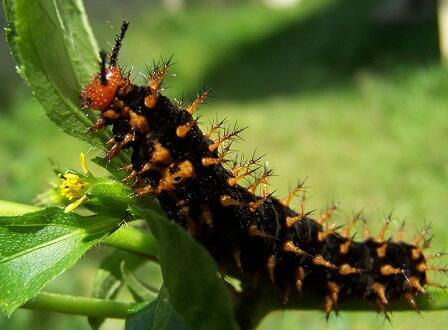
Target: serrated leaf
x=56, y=54
x=36, y=247
x=10, y=31
x=159, y=314
x=109, y=279
x=190, y=275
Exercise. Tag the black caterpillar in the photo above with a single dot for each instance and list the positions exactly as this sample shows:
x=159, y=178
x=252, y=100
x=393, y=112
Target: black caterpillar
x=259, y=235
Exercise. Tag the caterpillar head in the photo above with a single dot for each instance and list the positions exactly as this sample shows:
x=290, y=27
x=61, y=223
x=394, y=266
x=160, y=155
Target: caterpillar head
x=99, y=93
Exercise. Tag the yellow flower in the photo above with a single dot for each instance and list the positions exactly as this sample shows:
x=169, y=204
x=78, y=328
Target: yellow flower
x=72, y=186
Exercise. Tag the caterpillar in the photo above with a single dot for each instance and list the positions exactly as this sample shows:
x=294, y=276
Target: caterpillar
x=257, y=235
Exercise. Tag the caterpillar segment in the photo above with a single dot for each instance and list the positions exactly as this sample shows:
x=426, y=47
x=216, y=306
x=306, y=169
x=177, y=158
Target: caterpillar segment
x=261, y=236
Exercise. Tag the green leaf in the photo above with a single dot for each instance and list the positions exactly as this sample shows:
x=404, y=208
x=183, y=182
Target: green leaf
x=157, y=315
x=36, y=247
x=11, y=208
x=139, y=290
x=10, y=31
x=56, y=53
x=190, y=275
x=108, y=197
x=113, y=166
x=109, y=279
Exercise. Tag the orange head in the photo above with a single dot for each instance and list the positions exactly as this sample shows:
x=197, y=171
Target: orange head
x=99, y=93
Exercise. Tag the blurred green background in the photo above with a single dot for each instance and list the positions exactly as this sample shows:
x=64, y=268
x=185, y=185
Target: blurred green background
x=348, y=93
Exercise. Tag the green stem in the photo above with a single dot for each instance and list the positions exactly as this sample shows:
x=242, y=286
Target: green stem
x=133, y=240
x=52, y=302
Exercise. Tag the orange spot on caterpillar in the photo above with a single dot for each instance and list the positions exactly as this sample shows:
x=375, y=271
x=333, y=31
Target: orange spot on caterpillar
x=346, y=269
x=182, y=130
x=138, y=122
x=388, y=270
x=169, y=180
x=416, y=253
x=161, y=155
x=227, y=201
x=380, y=291
x=381, y=251
x=344, y=248
x=151, y=101
x=110, y=115
x=421, y=267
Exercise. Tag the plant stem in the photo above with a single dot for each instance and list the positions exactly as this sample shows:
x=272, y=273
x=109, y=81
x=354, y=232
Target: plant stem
x=52, y=302
x=134, y=240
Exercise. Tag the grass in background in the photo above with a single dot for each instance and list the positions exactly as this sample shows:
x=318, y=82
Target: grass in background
x=359, y=109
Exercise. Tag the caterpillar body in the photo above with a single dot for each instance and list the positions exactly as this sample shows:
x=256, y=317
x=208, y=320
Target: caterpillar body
x=259, y=235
